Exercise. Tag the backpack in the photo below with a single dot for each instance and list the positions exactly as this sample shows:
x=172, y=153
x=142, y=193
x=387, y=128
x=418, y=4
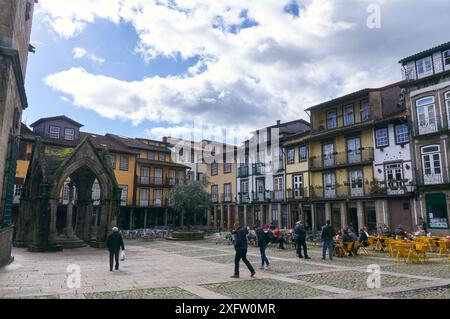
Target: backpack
x=294, y=236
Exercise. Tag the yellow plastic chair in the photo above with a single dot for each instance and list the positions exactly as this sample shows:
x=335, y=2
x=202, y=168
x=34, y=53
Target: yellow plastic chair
x=419, y=252
x=442, y=246
x=403, y=251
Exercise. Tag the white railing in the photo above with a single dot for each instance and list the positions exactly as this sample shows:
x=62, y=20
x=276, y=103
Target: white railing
x=355, y=192
x=330, y=193
x=430, y=179
x=426, y=127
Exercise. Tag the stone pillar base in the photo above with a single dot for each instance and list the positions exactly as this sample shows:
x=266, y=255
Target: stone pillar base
x=45, y=248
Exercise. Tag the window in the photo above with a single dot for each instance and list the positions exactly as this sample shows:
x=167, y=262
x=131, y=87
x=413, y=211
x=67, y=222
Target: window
x=401, y=134
x=143, y=197
x=424, y=67
x=447, y=57
x=260, y=157
x=54, y=150
x=17, y=190
x=69, y=134
x=447, y=102
x=157, y=197
x=365, y=111
x=356, y=183
x=381, y=137
x=172, y=177
x=291, y=156
x=227, y=168
x=54, y=132
x=331, y=119
x=162, y=157
x=214, y=169
x=298, y=186
x=150, y=155
x=214, y=193
x=96, y=192
x=112, y=157
x=124, y=162
x=244, y=186
x=328, y=154
x=28, y=11
x=227, y=191
x=432, y=168
x=354, y=150
x=349, y=115
x=303, y=153
x=158, y=175
x=426, y=115
x=145, y=175
x=394, y=176
x=123, y=194
x=329, y=182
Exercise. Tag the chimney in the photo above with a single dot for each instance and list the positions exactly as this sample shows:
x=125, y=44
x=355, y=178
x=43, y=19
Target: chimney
x=278, y=122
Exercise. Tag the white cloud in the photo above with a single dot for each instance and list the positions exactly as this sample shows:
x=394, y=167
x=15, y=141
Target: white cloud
x=250, y=77
x=79, y=53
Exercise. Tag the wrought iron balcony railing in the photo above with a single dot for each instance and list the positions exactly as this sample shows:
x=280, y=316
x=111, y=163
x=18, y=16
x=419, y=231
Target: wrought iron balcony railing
x=261, y=197
x=433, y=124
x=226, y=197
x=296, y=193
x=433, y=178
x=159, y=181
x=244, y=198
x=361, y=156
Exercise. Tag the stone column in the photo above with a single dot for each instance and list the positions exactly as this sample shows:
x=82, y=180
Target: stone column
x=229, y=217
x=245, y=215
x=182, y=218
x=222, y=221
x=131, y=219
x=343, y=215
x=280, y=216
x=289, y=216
x=166, y=215
x=236, y=214
x=270, y=214
x=313, y=218
x=156, y=218
x=360, y=211
x=69, y=215
x=328, y=211
x=215, y=216
x=145, y=218
x=301, y=213
x=53, y=211
x=262, y=215
x=208, y=216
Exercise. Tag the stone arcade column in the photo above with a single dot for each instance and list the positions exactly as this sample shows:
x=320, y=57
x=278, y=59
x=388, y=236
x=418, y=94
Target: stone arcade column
x=236, y=214
x=69, y=215
x=328, y=212
x=208, y=216
x=166, y=215
x=360, y=211
x=343, y=214
x=229, y=226
x=245, y=216
x=53, y=211
x=222, y=221
x=262, y=215
x=280, y=216
x=145, y=218
x=270, y=214
x=215, y=216
x=130, y=227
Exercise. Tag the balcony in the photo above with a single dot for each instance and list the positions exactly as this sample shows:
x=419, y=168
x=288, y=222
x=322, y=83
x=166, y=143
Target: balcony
x=277, y=196
x=432, y=178
x=159, y=181
x=259, y=169
x=261, y=197
x=243, y=171
x=296, y=193
x=431, y=125
x=244, y=198
x=338, y=192
x=392, y=188
x=226, y=197
x=214, y=197
x=342, y=159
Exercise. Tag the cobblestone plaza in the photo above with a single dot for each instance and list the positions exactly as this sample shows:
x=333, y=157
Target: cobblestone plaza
x=163, y=269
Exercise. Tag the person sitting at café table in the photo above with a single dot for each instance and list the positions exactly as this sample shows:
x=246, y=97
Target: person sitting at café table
x=364, y=237
x=420, y=231
x=386, y=231
x=399, y=231
x=350, y=238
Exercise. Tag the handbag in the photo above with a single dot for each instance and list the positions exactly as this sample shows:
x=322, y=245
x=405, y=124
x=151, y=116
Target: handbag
x=122, y=255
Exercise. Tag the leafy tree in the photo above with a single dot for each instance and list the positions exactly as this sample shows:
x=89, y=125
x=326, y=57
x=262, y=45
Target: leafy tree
x=190, y=200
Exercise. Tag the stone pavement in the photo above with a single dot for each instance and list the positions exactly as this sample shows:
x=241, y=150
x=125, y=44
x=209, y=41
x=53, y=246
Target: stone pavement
x=202, y=269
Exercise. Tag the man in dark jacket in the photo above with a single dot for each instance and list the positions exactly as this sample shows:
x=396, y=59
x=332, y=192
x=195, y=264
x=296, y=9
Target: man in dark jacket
x=263, y=240
x=114, y=243
x=300, y=240
x=327, y=236
x=240, y=245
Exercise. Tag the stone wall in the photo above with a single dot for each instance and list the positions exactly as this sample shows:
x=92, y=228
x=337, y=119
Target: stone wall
x=6, y=236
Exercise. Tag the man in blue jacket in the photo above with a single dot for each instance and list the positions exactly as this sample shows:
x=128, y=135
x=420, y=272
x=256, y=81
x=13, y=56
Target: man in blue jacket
x=240, y=245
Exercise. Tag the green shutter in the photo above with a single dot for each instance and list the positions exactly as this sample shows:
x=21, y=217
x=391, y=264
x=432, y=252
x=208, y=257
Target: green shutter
x=10, y=180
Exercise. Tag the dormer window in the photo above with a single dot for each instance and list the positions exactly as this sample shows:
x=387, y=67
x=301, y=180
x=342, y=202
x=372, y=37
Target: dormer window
x=54, y=132
x=424, y=67
x=331, y=119
x=69, y=134
x=447, y=57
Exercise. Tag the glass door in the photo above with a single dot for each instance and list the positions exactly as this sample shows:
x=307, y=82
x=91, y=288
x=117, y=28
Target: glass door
x=328, y=155
x=426, y=115
x=432, y=169
x=354, y=150
x=298, y=186
x=329, y=182
x=356, y=183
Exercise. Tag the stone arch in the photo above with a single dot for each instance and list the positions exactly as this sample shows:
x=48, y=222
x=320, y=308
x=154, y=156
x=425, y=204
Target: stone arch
x=83, y=166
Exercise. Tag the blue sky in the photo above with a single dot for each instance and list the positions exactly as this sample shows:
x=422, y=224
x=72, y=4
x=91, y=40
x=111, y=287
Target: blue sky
x=152, y=68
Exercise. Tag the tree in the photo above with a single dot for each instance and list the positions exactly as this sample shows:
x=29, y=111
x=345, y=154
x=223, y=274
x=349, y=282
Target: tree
x=190, y=200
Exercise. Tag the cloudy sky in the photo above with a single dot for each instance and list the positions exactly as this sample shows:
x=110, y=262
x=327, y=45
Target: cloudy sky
x=150, y=68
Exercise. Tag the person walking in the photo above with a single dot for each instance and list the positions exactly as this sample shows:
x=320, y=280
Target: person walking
x=114, y=243
x=240, y=246
x=300, y=240
x=263, y=241
x=327, y=236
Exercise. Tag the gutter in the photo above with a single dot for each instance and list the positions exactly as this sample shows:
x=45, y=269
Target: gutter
x=14, y=56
